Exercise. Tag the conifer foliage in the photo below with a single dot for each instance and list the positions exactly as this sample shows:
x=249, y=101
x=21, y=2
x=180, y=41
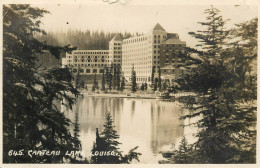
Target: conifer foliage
x=133, y=80
x=225, y=100
x=32, y=119
x=106, y=148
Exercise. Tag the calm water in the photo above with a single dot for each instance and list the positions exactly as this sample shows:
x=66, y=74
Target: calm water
x=150, y=124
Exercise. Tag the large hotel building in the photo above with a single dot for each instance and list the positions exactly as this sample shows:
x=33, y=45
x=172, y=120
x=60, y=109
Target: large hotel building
x=156, y=49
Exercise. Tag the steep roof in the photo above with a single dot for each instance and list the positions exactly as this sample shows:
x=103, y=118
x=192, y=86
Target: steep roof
x=117, y=37
x=174, y=41
x=172, y=35
x=158, y=27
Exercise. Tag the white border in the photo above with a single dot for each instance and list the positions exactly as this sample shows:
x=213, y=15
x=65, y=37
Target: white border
x=128, y=2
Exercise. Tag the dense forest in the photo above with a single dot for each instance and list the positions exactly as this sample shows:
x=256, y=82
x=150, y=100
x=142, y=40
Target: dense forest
x=223, y=107
x=82, y=39
x=78, y=39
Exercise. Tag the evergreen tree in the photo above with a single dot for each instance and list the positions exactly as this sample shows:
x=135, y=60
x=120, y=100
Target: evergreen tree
x=164, y=86
x=108, y=141
x=159, y=79
x=77, y=81
x=115, y=74
x=224, y=98
x=77, y=143
x=133, y=80
x=31, y=119
x=110, y=78
x=145, y=86
x=82, y=84
x=184, y=153
x=155, y=84
x=142, y=87
x=122, y=86
x=152, y=78
x=118, y=78
x=94, y=87
x=103, y=88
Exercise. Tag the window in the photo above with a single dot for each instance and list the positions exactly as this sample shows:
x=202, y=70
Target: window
x=154, y=41
x=154, y=46
x=81, y=70
x=158, y=36
x=101, y=70
x=87, y=70
x=94, y=70
x=154, y=36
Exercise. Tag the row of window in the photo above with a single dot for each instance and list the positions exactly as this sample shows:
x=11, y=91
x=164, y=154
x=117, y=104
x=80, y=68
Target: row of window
x=155, y=41
x=155, y=36
x=91, y=56
x=88, y=52
x=174, y=45
x=89, y=70
x=139, y=39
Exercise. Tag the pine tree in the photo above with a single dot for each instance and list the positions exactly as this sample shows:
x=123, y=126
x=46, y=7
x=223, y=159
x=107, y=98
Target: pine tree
x=108, y=141
x=118, y=79
x=223, y=96
x=122, y=86
x=95, y=84
x=31, y=93
x=133, y=80
x=145, y=86
x=142, y=87
x=164, y=86
x=82, y=84
x=103, y=82
x=77, y=81
x=159, y=79
x=110, y=78
x=77, y=143
x=152, y=78
x=155, y=84
x=115, y=74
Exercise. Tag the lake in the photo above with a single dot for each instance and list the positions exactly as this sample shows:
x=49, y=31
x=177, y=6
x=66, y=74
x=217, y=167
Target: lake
x=151, y=124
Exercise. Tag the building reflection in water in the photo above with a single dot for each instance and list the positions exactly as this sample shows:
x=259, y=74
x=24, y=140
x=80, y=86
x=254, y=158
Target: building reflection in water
x=149, y=124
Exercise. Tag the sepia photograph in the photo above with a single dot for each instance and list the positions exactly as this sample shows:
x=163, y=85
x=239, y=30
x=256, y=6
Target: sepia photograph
x=126, y=82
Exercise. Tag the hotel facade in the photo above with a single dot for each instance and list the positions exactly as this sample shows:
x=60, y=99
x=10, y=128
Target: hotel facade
x=142, y=53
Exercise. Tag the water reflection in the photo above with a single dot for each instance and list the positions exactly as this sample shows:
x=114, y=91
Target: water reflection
x=149, y=124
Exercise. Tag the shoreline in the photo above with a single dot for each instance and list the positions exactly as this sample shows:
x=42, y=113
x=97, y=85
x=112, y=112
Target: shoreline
x=134, y=95
x=120, y=95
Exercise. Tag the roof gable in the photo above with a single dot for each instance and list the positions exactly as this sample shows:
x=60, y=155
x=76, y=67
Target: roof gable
x=158, y=27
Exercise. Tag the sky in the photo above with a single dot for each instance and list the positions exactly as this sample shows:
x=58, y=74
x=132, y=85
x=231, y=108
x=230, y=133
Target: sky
x=134, y=17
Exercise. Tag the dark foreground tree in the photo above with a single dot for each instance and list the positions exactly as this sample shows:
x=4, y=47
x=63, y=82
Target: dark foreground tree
x=159, y=79
x=103, y=86
x=133, y=80
x=225, y=88
x=32, y=119
x=122, y=85
x=106, y=148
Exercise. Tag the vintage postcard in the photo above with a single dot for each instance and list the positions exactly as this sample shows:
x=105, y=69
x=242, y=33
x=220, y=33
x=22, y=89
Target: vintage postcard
x=148, y=83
